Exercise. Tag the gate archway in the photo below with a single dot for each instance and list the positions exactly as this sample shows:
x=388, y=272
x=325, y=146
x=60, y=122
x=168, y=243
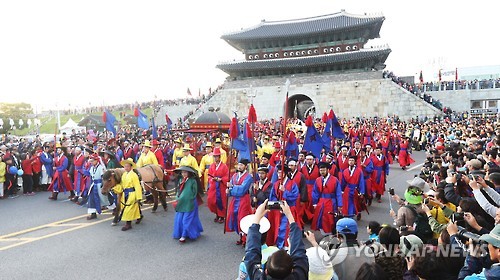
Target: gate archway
x=300, y=106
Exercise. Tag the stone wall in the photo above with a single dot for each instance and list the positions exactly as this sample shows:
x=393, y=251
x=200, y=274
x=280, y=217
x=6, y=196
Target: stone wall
x=460, y=100
x=364, y=94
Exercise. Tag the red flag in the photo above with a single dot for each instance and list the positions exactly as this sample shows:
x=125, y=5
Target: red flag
x=456, y=74
x=439, y=75
x=136, y=112
x=252, y=115
x=421, y=78
x=189, y=92
x=233, y=128
x=324, y=118
x=309, y=121
x=104, y=117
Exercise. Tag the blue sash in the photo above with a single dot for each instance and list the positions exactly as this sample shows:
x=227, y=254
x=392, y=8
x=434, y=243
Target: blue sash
x=218, y=196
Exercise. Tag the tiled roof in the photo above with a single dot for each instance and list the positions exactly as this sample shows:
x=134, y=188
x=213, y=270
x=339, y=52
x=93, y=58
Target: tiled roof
x=307, y=61
x=301, y=27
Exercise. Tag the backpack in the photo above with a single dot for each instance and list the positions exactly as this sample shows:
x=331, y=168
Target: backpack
x=422, y=227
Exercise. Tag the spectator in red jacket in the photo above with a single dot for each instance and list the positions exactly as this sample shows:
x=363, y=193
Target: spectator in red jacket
x=26, y=164
x=37, y=168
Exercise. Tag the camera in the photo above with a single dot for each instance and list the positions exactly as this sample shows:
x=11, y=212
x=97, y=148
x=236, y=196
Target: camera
x=426, y=200
x=458, y=218
x=391, y=191
x=304, y=233
x=463, y=233
x=274, y=205
x=403, y=228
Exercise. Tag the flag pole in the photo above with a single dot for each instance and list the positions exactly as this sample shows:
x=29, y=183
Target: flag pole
x=287, y=86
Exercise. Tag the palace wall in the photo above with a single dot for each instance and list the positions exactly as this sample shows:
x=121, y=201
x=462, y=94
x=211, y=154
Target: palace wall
x=364, y=94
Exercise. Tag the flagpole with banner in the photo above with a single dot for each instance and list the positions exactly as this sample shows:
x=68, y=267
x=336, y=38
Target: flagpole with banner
x=287, y=87
x=233, y=134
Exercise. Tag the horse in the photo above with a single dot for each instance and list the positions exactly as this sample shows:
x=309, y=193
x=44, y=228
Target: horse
x=151, y=177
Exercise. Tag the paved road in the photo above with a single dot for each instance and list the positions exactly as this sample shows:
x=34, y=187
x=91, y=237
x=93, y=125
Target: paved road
x=42, y=239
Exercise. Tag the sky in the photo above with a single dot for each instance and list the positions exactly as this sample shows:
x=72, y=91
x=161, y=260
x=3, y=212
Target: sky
x=60, y=54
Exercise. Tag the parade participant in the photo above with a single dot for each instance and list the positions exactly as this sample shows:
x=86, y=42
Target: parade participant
x=238, y=188
x=300, y=181
x=95, y=198
x=384, y=144
x=266, y=147
x=61, y=180
x=147, y=157
x=353, y=185
x=187, y=222
x=178, y=154
x=367, y=136
x=343, y=160
x=354, y=133
x=118, y=152
x=283, y=190
x=223, y=153
x=83, y=188
x=271, y=170
x=47, y=171
x=128, y=151
x=262, y=187
x=276, y=157
x=327, y=200
x=356, y=150
x=301, y=161
x=366, y=164
x=380, y=172
x=189, y=160
x=205, y=163
x=131, y=194
x=311, y=173
x=109, y=160
x=78, y=162
x=404, y=157
x=10, y=183
x=330, y=159
x=218, y=176
x=158, y=153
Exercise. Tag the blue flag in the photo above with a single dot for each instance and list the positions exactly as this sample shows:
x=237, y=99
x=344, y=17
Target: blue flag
x=312, y=141
x=292, y=147
x=110, y=122
x=327, y=135
x=155, y=130
x=337, y=130
x=142, y=120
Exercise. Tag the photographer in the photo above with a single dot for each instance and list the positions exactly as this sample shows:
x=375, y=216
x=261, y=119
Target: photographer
x=484, y=267
x=280, y=265
x=482, y=192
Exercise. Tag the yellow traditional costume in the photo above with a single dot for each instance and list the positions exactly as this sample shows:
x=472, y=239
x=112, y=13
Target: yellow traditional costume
x=205, y=163
x=131, y=191
x=148, y=158
x=189, y=160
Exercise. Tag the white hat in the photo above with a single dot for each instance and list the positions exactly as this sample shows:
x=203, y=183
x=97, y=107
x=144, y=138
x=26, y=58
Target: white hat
x=320, y=266
x=420, y=183
x=247, y=221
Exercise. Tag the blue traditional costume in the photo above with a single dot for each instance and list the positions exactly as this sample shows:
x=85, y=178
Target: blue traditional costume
x=187, y=222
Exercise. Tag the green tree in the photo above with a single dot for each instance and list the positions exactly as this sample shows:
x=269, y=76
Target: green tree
x=14, y=111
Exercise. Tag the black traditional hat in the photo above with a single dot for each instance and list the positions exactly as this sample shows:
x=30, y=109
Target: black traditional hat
x=323, y=164
x=263, y=168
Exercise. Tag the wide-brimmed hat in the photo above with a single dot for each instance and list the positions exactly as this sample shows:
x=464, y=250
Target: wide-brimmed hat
x=178, y=140
x=209, y=144
x=186, y=168
x=247, y=221
x=420, y=183
x=94, y=156
x=217, y=140
x=128, y=161
x=413, y=195
x=110, y=153
x=186, y=147
x=155, y=142
x=147, y=144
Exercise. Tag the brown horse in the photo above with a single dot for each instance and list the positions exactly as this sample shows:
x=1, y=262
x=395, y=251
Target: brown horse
x=151, y=177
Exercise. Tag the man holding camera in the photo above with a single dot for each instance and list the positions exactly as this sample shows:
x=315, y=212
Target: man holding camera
x=489, y=265
x=283, y=190
x=280, y=265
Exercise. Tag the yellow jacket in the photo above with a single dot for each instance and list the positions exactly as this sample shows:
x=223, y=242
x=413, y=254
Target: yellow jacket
x=131, y=193
x=205, y=163
x=190, y=161
x=266, y=148
x=146, y=159
x=177, y=156
x=2, y=171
